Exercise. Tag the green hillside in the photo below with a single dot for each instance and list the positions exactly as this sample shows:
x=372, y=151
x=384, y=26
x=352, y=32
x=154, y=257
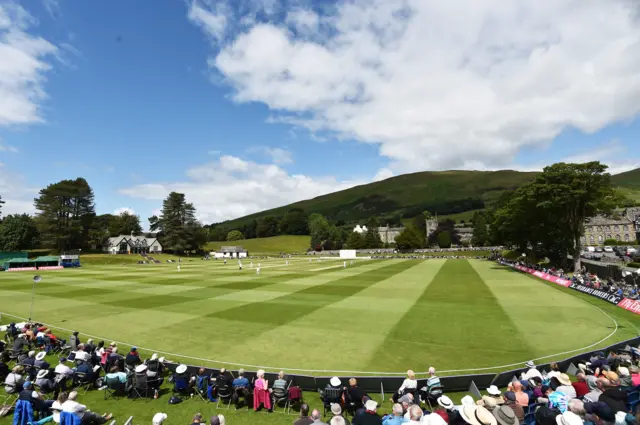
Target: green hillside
x=447, y=193
x=274, y=245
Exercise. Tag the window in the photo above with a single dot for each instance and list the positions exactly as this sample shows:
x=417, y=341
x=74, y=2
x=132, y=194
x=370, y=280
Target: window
x=618, y=237
x=626, y=237
x=583, y=240
x=592, y=239
x=626, y=228
x=617, y=228
x=608, y=235
x=599, y=238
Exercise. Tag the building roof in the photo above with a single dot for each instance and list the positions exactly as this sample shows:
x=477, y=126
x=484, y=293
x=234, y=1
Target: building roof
x=601, y=220
x=232, y=249
x=390, y=229
x=131, y=240
x=464, y=229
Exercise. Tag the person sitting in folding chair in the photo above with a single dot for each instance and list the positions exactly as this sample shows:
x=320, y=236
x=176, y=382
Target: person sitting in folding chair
x=181, y=381
x=45, y=382
x=142, y=387
x=155, y=365
x=201, y=383
x=333, y=393
x=353, y=396
x=13, y=382
x=40, y=363
x=261, y=395
x=241, y=389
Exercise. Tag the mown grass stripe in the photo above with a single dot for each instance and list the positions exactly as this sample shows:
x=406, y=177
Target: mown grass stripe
x=456, y=310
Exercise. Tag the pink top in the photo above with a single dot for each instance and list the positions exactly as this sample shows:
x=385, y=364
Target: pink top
x=635, y=378
x=261, y=383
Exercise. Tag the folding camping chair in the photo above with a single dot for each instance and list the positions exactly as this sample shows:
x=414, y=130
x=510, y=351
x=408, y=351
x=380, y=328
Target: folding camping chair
x=181, y=385
x=330, y=396
x=279, y=395
x=112, y=387
x=81, y=380
x=225, y=394
x=140, y=386
x=202, y=386
x=295, y=398
x=432, y=395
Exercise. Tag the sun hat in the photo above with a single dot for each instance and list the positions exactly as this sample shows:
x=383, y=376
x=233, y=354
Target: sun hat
x=31, y=353
x=564, y=379
x=42, y=373
x=505, y=415
x=481, y=416
x=41, y=355
x=489, y=402
x=335, y=381
x=371, y=405
x=611, y=376
x=161, y=359
x=181, y=369
x=467, y=400
x=623, y=371
x=568, y=418
x=445, y=402
x=493, y=390
x=158, y=418
x=336, y=409
x=530, y=364
x=154, y=356
x=433, y=419
x=141, y=368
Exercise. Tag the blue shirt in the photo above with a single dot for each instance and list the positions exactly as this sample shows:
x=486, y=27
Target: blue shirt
x=394, y=420
x=240, y=382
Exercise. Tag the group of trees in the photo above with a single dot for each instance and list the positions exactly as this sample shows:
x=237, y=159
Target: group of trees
x=66, y=219
x=546, y=217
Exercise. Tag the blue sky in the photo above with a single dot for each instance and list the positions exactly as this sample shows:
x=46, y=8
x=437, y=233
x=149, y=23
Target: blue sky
x=249, y=107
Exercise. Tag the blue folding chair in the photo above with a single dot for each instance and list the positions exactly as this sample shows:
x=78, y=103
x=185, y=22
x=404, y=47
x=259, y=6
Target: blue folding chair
x=181, y=385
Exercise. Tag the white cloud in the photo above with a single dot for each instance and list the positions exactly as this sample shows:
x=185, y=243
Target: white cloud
x=7, y=148
x=383, y=174
x=276, y=155
x=22, y=68
x=231, y=187
x=440, y=85
x=213, y=21
x=121, y=210
x=18, y=197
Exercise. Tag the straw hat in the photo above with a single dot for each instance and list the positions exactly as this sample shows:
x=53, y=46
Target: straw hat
x=158, y=418
x=41, y=355
x=42, y=374
x=489, y=402
x=477, y=415
x=335, y=381
x=143, y=367
x=564, y=379
x=371, y=405
x=336, y=409
x=445, y=402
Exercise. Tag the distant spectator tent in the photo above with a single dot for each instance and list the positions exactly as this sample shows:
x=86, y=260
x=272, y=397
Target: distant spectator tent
x=230, y=252
x=25, y=264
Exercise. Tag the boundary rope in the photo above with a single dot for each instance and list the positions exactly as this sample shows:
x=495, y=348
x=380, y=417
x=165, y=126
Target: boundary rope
x=338, y=372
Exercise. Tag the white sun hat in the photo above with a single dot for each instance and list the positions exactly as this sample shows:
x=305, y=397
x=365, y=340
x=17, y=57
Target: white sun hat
x=181, y=369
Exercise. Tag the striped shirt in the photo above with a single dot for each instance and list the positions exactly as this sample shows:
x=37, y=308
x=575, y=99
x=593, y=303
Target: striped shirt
x=433, y=382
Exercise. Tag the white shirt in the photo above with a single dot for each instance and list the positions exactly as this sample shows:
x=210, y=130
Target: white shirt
x=14, y=380
x=83, y=355
x=73, y=406
x=63, y=369
x=410, y=384
x=531, y=373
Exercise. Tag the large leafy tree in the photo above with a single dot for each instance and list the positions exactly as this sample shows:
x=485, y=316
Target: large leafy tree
x=356, y=241
x=234, y=235
x=319, y=230
x=125, y=223
x=65, y=211
x=267, y=227
x=410, y=238
x=294, y=222
x=547, y=216
x=372, y=236
x=444, y=226
x=179, y=229
x=18, y=232
x=480, y=232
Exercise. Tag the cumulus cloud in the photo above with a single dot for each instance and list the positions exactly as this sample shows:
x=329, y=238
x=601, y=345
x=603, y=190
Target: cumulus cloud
x=121, y=210
x=23, y=66
x=18, y=197
x=231, y=187
x=438, y=85
x=276, y=155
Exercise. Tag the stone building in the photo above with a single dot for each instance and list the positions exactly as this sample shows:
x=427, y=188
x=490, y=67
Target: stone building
x=600, y=228
x=465, y=233
x=388, y=234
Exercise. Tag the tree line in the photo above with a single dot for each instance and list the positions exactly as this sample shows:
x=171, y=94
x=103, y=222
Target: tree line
x=66, y=219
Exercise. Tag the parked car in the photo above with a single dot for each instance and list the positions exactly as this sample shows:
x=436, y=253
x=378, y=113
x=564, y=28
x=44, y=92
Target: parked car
x=631, y=251
x=598, y=249
x=591, y=249
x=608, y=249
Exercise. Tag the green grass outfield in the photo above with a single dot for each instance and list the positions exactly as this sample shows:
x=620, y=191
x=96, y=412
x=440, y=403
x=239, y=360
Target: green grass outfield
x=318, y=317
x=386, y=315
